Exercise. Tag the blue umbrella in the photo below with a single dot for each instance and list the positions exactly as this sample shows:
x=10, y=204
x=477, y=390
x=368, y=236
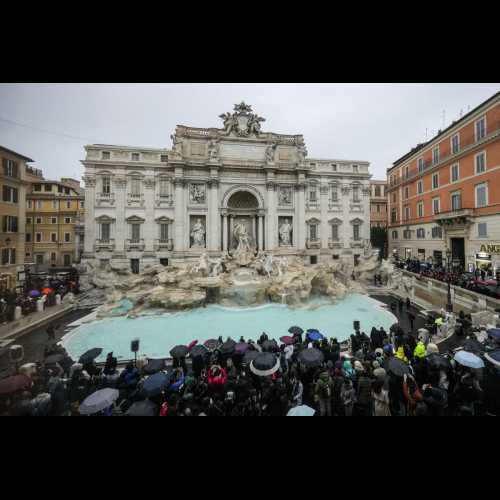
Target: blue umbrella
x=301, y=411
x=494, y=333
x=314, y=335
x=98, y=401
x=155, y=384
x=34, y=293
x=468, y=359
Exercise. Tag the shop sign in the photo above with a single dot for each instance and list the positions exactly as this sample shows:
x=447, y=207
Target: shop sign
x=490, y=248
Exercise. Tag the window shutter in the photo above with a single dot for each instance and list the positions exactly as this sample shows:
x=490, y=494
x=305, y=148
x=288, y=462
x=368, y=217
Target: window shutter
x=13, y=255
x=16, y=195
x=15, y=169
x=4, y=165
x=4, y=223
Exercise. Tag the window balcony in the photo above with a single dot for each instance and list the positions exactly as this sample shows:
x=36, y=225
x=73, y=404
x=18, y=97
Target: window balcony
x=104, y=245
x=135, y=199
x=356, y=243
x=458, y=216
x=334, y=243
x=312, y=205
x=165, y=200
x=133, y=244
x=313, y=243
x=164, y=245
x=105, y=199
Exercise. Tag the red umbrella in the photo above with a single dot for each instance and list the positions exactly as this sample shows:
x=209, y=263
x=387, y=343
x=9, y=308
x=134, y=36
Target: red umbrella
x=287, y=340
x=192, y=344
x=14, y=383
x=47, y=290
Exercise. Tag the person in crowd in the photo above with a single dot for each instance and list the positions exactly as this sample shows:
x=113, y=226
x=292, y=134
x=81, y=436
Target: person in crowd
x=381, y=403
x=323, y=393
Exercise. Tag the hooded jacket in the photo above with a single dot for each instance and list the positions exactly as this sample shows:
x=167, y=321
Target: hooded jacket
x=420, y=350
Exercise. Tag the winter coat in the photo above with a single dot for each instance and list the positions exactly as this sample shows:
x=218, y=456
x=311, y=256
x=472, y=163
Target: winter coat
x=381, y=403
x=324, y=386
x=364, y=390
x=216, y=380
x=420, y=350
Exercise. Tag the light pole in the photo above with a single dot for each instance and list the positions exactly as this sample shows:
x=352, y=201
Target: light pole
x=449, y=305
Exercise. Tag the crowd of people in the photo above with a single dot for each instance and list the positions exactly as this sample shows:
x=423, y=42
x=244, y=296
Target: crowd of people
x=391, y=373
x=44, y=289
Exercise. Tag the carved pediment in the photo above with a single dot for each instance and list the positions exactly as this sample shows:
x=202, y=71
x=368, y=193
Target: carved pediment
x=135, y=219
x=104, y=218
x=356, y=221
x=335, y=221
x=313, y=220
x=163, y=220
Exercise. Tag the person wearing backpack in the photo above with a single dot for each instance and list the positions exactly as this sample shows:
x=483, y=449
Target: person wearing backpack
x=323, y=393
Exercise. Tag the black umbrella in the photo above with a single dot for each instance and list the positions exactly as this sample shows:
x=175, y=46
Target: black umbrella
x=311, y=357
x=145, y=408
x=241, y=348
x=155, y=384
x=398, y=367
x=437, y=361
x=265, y=364
x=250, y=356
x=54, y=358
x=295, y=330
x=90, y=355
x=227, y=347
x=270, y=346
x=198, y=350
x=473, y=345
x=179, y=351
x=211, y=344
x=154, y=366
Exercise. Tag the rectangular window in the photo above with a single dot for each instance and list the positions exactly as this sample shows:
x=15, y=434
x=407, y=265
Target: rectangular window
x=68, y=204
x=394, y=197
x=135, y=187
x=10, y=168
x=67, y=220
x=377, y=191
x=163, y=232
x=164, y=158
x=420, y=187
x=355, y=230
x=335, y=232
x=482, y=230
x=53, y=256
x=480, y=128
x=394, y=235
x=481, y=195
x=29, y=204
x=456, y=201
x=435, y=181
x=53, y=237
x=435, y=155
x=378, y=208
x=437, y=232
x=335, y=195
x=10, y=194
x=407, y=234
x=54, y=204
x=106, y=185
x=39, y=204
x=8, y=256
x=105, y=231
x=420, y=232
x=355, y=194
x=38, y=237
x=455, y=174
x=135, y=156
x=394, y=215
x=66, y=191
x=106, y=155
x=136, y=233
x=436, y=205
x=407, y=213
x=164, y=188
x=480, y=163
x=27, y=238
x=67, y=237
x=10, y=224
x=407, y=192
x=421, y=165
x=355, y=169
x=37, y=187
x=59, y=189
x=420, y=209
x=53, y=220
x=38, y=220
x=312, y=195
x=313, y=232
x=334, y=167
x=67, y=259
x=47, y=188
x=28, y=220
x=455, y=143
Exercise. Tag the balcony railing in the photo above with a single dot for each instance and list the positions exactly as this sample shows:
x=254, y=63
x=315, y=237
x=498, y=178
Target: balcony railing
x=167, y=245
x=135, y=244
x=104, y=244
x=313, y=243
x=334, y=243
x=105, y=198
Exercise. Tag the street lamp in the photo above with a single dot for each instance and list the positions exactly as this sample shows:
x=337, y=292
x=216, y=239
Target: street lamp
x=449, y=305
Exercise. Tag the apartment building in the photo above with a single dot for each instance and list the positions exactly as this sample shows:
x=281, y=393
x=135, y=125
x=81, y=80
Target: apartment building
x=378, y=203
x=444, y=195
x=54, y=223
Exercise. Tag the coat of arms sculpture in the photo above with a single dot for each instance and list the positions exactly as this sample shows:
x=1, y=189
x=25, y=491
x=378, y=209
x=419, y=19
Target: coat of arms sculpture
x=242, y=122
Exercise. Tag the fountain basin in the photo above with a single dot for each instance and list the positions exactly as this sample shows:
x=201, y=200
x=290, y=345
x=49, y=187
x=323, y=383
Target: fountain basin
x=159, y=333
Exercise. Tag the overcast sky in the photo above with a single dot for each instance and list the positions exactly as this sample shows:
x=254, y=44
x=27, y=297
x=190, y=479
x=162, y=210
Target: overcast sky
x=373, y=122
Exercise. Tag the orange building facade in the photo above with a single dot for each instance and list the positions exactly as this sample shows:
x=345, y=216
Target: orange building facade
x=444, y=195
x=378, y=204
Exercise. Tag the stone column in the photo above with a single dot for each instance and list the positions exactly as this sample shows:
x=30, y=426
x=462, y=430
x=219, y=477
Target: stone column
x=300, y=241
x=90, y=224
x=213, y=214
x=231, y=229
x=261, y=233
x=77, y=245
x=271, y=216
x=254, y=232
x=179, y=215
x=224, y=232
x=121, y=230
x=324, y=194
x=150, y=226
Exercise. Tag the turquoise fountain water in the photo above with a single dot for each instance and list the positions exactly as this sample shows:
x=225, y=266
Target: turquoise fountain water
x=159, y=333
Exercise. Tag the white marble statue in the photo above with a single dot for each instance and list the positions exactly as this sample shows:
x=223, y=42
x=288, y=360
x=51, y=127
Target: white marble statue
x=242, y=237
x=270, y=153
x=198, y=234
x=213, y=149
x=285, y=232
x=202, y=265
x=282, y=266
x=268, y=265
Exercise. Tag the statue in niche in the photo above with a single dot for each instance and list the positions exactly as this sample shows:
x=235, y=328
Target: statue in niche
x=213, y=150
x=242, y=237
x=197, y=193
x=270, y=151
x=198, y=234
x=285, y=231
